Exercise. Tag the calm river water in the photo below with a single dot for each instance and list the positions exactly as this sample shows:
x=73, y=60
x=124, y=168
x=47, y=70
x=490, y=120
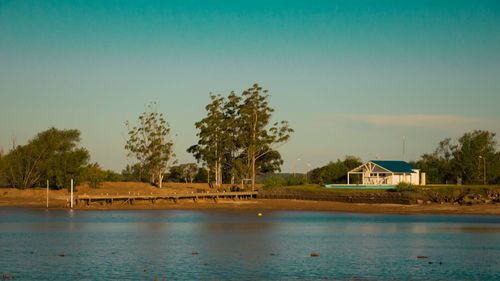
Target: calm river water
x=149, y=244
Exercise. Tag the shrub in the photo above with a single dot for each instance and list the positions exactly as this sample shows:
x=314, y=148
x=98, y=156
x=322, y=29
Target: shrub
x=297, y=181
x=274, y=182
x=404, y=186
x=94, y=175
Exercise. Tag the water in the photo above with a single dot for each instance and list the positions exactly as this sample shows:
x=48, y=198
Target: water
x=149, y=244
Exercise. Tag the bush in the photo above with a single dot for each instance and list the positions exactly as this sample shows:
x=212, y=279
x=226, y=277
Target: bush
x=111, y=176
x=94, y=175
x=297, y=181
x=406, y=187
x=274, y=182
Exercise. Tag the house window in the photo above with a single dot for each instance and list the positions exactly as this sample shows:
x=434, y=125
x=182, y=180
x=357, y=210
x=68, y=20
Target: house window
x=373, y=175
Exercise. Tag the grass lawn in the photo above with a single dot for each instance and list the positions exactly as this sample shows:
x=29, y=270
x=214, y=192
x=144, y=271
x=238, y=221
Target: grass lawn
x=443, y=189
x=316, y=187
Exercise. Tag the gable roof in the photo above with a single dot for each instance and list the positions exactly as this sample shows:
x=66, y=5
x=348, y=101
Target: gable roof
x=395, y=166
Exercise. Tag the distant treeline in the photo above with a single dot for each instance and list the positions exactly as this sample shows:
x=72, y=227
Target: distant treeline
x=473, y=159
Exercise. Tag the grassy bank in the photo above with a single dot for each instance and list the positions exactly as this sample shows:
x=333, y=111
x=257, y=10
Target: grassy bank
x=318, y=188
x=465, y=194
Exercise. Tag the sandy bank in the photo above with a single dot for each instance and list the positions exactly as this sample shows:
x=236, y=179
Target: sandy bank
x=36, y=198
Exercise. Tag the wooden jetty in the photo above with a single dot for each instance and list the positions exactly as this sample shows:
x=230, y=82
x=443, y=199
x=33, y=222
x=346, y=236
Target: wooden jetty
x=86, y=200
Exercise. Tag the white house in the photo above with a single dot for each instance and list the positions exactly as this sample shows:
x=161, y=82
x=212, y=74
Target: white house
x=381, y=172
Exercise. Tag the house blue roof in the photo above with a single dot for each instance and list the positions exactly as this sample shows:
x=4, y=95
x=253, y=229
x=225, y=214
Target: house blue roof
x=395, y=166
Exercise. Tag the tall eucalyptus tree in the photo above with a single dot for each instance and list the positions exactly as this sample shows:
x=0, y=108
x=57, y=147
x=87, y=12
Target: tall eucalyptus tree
x=256, y=137
x=236, y=135
x=149, y=141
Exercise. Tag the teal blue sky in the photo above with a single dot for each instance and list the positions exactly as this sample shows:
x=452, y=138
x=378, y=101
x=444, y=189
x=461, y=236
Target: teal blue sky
x=352, y=77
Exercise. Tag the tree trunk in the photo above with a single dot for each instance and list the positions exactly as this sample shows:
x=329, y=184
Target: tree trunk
x=254, y=130
x=160, y=178
x=216, y=174
x=220, y=172
x=253, y=173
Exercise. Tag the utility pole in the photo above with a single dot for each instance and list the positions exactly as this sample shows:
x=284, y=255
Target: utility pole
x=294, y=166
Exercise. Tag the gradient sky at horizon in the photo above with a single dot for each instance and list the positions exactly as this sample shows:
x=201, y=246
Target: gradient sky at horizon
x=351, y=77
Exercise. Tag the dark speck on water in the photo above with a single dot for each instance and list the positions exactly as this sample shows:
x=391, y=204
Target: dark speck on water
x=237, y=245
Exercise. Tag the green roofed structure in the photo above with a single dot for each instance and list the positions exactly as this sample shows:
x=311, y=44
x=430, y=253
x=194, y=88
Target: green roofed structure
x=386, y=172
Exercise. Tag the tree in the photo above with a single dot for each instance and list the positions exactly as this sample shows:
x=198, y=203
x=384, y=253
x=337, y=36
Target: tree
x=190, y=170
x=235, y=138
x=269, y=163
x=149, y=142
x=134, y=173
x=334, y=172
x=3, y=179
x=184, y=172
x=471, y=149
x=465, y=160
x=176, y=173
x=201, y=175
x=255, y=136
x=94, y=175
x=211, y=134
x=53, y=154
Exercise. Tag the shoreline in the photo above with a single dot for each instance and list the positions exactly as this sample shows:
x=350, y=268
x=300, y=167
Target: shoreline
x=59, y=199
x=281, y=205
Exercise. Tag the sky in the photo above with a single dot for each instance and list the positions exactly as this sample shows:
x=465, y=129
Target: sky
x=351, y=77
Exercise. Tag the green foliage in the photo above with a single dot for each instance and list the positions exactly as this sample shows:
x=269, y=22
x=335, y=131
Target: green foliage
x=406, y=187
x=468, y=160
x=269, y=163
x=214, y=137
x=135, y=172
x=201, y=175
x=94, y=175
x=334, y=172
x=112, y=176
x=257, y=137
x=272, y=182
x=183, y=173
x=52, y=155
x=3, y=179
x=297, y=181
x=67, y=165
x=319, y=188
x=236, y=138
x=149, y=142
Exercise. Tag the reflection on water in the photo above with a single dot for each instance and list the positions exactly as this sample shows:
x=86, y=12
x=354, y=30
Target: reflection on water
x=148, y=244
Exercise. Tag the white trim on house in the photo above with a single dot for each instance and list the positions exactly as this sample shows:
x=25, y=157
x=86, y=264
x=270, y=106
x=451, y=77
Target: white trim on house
x=375, y=174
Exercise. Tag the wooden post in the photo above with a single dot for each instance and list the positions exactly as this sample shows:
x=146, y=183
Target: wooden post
x=71, y=193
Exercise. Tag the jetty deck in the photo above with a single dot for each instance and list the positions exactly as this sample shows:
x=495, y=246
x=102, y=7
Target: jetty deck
x=86, y=200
